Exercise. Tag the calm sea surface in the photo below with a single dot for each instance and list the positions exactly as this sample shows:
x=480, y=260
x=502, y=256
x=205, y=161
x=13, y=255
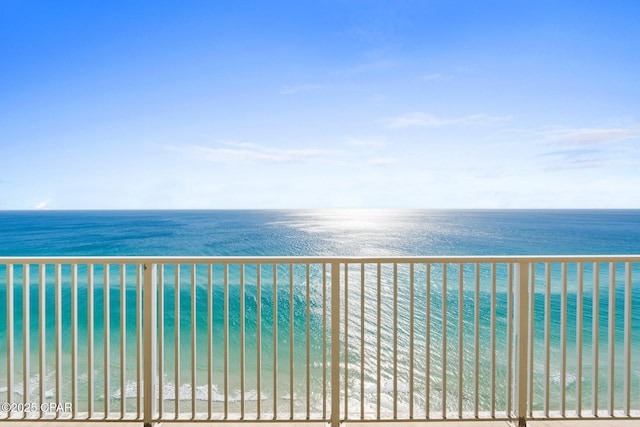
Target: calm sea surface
x=322, y=233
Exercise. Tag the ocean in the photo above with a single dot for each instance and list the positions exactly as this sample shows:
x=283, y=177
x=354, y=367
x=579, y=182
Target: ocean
x=318, y=233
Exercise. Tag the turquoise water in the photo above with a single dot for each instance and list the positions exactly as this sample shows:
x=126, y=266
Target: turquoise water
x=357, y=233
x=319, y=232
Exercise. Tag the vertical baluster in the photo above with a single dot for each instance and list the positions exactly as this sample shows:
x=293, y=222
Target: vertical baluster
x=90, y=340
x=346, y=341
x=627, y=339
x=579, y=344
x=139, y=337
x=510, y=320
x=258, y=340
x=324, y=341
x=160, y=321
x=308, y=334
x=210, y=342
x=444, y=339
x=493, y=340
x=42, y=304
x=521, y=330
x=476, y=342
x=275, y=342
x=193, y=341
x=58, y=356
x=547, y=337
x=26, y=339
x=460, y=335
x=74, y=341
x=150, y=317
x=362, y=293
x=379, y=339
x=395, y=341
x=226, y=341
x=595, y=338
x=411, y=338
x=242, y=356
x=291, y=341
x=612, y=333
x=427, y=342
x=176, y=341
x=335, y=344
x=10, y=337
x=563, y=340
x=123, y=340
x=106, y=342
x=531, y=345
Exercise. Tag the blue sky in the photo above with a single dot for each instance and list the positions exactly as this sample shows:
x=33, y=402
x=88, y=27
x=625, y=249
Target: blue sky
x=319, y=104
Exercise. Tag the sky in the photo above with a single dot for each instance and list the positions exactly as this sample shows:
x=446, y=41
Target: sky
x=319, y=104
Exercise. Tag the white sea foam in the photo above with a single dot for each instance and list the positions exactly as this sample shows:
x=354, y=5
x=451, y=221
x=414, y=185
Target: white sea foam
x=34, y=387
x=385, y=388
x=185, y=392
x=556, y=377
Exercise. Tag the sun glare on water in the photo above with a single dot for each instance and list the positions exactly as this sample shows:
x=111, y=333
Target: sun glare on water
x=373, y=232
x=358, y=219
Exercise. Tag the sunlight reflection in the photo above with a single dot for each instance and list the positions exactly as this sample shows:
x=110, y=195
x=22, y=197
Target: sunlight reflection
x=372, y=232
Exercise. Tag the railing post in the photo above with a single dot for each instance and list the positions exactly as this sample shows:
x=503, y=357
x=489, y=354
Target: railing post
x=149, y=326
x=335, y=344
x=521, y=340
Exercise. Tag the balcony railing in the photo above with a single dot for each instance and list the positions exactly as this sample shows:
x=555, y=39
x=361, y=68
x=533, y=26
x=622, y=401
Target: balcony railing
x=330, y=339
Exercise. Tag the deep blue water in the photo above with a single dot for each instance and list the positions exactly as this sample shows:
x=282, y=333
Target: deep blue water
x=320, y=232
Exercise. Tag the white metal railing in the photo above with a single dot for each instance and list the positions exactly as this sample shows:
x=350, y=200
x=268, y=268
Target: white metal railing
x=332, y=339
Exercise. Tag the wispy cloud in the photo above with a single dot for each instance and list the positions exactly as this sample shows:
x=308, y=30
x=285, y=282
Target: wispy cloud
x=592, y=136
x=418, y=119
x=250, y=152
x=366, y=142
x=368, y=66
x=43, y=205
x=491, y=174
x=588, y=148
x=576, y=159
x=290, y=90
x=437, y=76
x=381, y=161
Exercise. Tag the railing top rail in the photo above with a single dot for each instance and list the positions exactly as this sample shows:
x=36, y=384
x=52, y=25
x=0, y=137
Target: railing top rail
x=313, y=259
